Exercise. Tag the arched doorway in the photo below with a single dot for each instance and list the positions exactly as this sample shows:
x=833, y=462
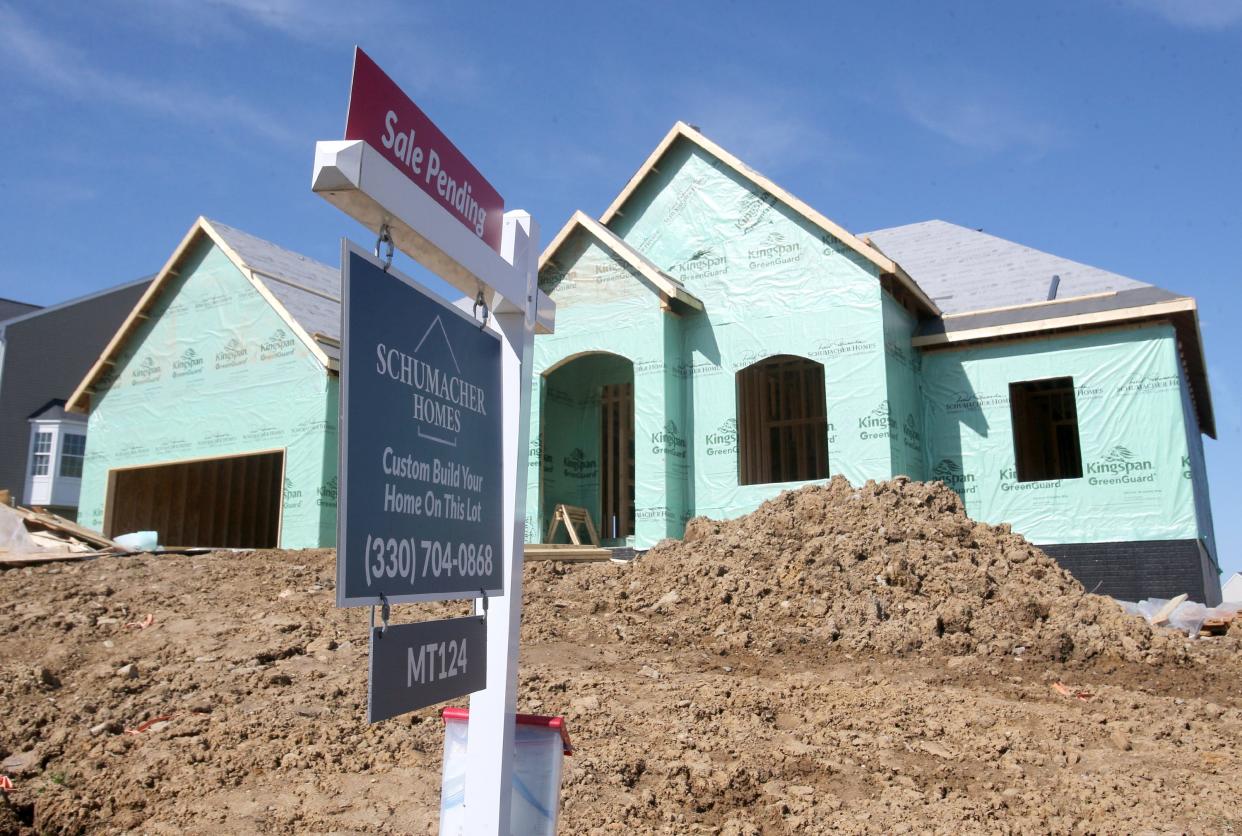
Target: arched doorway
x=587, y=435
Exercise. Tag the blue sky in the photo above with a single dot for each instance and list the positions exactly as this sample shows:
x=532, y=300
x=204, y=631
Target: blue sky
x=1107, y=131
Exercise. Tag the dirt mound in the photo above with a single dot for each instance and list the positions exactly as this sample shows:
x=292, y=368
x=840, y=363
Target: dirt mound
x=804, y=670
x=894, y=567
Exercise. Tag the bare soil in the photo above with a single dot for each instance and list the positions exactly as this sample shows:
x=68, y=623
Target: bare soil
x=843, y=660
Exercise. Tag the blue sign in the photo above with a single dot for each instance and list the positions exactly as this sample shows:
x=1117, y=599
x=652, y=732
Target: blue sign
x=419, y=513
x=421, y=664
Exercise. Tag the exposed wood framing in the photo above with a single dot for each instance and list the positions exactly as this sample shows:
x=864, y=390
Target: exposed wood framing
x=1161, y=309
x=782, y=421
x=617, y=460
x=226, y=502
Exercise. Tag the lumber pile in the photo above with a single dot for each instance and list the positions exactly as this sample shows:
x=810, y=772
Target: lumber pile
x=55, y=538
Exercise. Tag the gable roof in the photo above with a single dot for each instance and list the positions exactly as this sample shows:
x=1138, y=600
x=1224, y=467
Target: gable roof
x=964, y=269
x=305, y=294
x=906, y=286
x=52, y=410
x=670, y=289
x=990, y=288
x=309, y=290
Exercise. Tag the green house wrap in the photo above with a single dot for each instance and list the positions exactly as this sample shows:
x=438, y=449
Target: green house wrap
x=213, y=368
x=717, y=341
x=767, y=348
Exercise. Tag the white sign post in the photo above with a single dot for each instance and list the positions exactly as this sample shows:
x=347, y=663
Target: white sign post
x=430, y=219
x=489, y=747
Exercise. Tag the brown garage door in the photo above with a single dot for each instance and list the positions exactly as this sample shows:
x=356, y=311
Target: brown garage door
x=230, y=502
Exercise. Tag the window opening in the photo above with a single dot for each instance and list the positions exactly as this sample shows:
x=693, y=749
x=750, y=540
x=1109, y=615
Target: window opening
x=1045, y=429
x=782, y=421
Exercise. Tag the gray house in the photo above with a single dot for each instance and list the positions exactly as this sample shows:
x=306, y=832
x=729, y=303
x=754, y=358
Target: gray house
x=44, y=353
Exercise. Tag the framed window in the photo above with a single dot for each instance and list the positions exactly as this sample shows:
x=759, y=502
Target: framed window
x=1045, y=429
x=782, y=421
x=72, y=452
x=40, y=462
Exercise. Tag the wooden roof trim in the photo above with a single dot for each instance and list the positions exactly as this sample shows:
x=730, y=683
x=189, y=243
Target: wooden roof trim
x=681, y=130
x=1054, y=323
x=1101, y=295
x=1182, y=314
x=80, y=400
x=669, y=288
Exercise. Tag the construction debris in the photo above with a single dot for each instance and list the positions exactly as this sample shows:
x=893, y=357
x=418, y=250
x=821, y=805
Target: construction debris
x=32, y=536
x=1191, y=617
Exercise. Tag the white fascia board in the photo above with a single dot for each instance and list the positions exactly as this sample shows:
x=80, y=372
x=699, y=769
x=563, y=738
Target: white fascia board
x=358, y=180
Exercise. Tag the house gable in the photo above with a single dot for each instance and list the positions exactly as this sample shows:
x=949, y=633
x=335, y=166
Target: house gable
x=741, y=200
x=105, y=370
x=736, y=246
x=587, y=265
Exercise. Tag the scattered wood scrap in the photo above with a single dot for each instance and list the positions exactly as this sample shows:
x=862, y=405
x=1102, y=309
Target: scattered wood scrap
x=40, y=519
x=1218, y=625
x=58, y=539
x=1167, y=610
x=1066, y=691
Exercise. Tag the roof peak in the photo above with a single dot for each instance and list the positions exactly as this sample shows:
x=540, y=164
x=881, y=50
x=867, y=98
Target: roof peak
x=681, y=131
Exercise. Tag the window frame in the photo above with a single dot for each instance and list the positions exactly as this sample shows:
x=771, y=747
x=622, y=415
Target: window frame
x=782, y=421
x=65, y=453
x=1047, y=436
x=42, y=456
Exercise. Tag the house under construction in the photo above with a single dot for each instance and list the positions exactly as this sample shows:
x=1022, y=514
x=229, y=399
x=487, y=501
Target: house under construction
x=717, y=341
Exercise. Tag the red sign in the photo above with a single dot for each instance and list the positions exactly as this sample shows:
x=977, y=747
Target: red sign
x=386, y=118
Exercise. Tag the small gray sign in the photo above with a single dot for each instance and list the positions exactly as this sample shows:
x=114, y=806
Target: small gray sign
x=421, y=664
x=419, y=507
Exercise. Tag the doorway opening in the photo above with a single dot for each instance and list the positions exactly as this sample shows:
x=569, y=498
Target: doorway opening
x=232, y=502
x=587, y=438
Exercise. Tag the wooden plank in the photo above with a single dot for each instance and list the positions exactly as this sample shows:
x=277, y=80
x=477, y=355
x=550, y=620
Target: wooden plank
x=569, y=525
x=1057, y=323
x=1162, y=615
x=627, y=448
x=14, y=561
x=566, y=553
x=1058, y=301
x=608, y=459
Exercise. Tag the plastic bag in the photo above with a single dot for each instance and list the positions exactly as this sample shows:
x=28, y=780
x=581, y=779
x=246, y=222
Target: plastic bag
x=1188, y=617
x=14, y=538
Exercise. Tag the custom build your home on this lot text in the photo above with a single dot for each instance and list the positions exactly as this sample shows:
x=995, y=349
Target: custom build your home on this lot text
x=717, y=341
